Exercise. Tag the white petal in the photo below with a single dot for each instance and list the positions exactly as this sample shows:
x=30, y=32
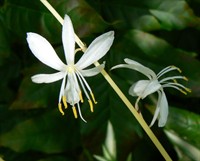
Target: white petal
x=137, y=89
x=131, y=64
x=92, y=71
x=163, y=110
x=156, y=113
x=68, y=39
x=43, y=50
x=72, y=89
x=97, y=49
x=47, y=78
x=152, y=87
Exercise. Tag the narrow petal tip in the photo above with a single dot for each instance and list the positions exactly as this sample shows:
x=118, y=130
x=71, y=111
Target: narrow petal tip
x=30, y=35
x=111, y=33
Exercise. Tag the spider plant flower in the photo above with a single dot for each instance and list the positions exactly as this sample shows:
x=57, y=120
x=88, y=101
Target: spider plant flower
x=143, y=88
x=71, y=73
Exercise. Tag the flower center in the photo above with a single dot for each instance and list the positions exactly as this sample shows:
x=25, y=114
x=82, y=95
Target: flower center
x=70, y=68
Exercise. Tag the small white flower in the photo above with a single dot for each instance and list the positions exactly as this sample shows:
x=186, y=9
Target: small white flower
x=144, y=88
x=72, y=74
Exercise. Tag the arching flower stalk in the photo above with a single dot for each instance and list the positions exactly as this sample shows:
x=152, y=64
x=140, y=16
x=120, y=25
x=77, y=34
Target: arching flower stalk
x=143, y=88
x=71, y=73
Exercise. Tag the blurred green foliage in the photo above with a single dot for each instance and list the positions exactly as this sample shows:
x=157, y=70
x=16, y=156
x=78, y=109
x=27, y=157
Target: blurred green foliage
x=156, y=33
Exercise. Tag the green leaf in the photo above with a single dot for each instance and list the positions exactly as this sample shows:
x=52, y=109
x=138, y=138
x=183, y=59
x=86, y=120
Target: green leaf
x=31, y=95
x=56, y=158
x=185, y=125
x=110, y=142
x=175, y=15
x=183, y=148
x=129, y=158
x=30, y=19
x=86, y=20
x=44, y=133
x=151, y=15
x=5, y=50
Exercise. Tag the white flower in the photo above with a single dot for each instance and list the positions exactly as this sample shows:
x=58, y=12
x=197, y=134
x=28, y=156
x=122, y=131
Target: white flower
x=143, y=88
x=71, y=73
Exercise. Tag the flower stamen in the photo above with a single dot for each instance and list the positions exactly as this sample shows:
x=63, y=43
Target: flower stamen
x=79, y=111
x=93, y=98
x=179, y=70
x=168, y=69
x=80, y=96
x=91, y=106
x=60, y=108
x=64, y=100
x=188, y=90
x=185, y=78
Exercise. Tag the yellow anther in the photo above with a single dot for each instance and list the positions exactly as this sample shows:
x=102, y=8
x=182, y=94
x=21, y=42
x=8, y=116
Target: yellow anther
x=175, y=81
x=75, y=112
x=173, y=66
x=179, y=70
x=81, y=97
x=91, y=106
x=93, y=98
x=182, y=91
x=188, y=90
x=185, y=78
x=60, y=108
x=64, y=100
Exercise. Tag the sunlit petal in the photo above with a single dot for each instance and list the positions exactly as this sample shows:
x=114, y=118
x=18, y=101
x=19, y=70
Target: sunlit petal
x=92, y=71
x=47, y=78
x=68, y=39
x=163, y=110
x=97, y=49
x=43, y=50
